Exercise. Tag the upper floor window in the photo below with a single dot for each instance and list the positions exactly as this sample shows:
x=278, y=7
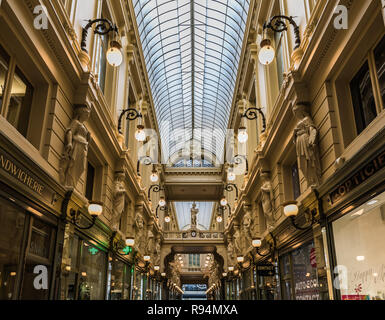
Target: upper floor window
x=295, y=180
x=90, y=180
x=16, y=93
x=367, y=88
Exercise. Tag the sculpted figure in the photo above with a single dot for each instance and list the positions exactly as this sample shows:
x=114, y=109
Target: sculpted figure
x=140, y=237
x=74, y=158
x=150, y=243
x=230, y=253
x=118, y=200
x=246, y=231
x=157, y=251
x=267, y=200
x=194, y=212
x=305, y=136
x=237, y=241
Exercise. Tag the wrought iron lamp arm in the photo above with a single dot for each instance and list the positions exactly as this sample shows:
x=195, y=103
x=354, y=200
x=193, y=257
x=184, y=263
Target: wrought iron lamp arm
x=132, y=114
x=272, y=247
x=312, y=222
x=230, y=187
x=146, y=160
x=252, y=114
x=104, y=26
x=154, y=188
x=74, y=214
x=277, y=24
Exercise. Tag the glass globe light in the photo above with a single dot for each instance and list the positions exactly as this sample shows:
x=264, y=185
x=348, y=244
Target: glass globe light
x=223, y=202
x=154, y=177
x=267, y=53
x=242, y=135
x=290, y=209
x=140, y=135
x=146, y=258
x=167, y=219
x=219, y=219
x=257, y=243
x=231, y=269
x=240, y=259
x=162, y=202
x=95, y=209
x=231, y=176
x=114, y=54
x=156, y=268
x=130, y=242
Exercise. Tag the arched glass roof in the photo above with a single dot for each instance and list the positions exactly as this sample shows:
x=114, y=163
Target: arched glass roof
x=192, y=50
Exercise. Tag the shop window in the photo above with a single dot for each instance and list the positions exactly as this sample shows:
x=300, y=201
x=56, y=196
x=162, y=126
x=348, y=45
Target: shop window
x=40, y=252
x=299, y=276
x=90, y=180
x=358, y=241
x=92, y=273
x=12, y=223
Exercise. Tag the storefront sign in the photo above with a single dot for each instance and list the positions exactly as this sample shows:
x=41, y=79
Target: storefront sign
x=265, y=270
x=15, y=169
x=307, y=290
x=359, y=177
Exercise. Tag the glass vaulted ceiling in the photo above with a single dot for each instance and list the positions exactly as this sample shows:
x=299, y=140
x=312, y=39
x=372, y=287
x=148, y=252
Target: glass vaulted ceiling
x=192, y=50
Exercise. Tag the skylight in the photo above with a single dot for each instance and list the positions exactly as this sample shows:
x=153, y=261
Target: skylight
x=192, y=50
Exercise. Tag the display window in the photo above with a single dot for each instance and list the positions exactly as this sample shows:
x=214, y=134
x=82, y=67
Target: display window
x=26, y=243
x=299, y=276
x=360, y=258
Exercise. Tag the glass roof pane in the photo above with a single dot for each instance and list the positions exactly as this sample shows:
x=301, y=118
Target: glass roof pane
x=192, y=50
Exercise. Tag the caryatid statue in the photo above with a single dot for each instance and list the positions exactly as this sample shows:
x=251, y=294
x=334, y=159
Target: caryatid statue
x=267, y=199
x=246, y=231
x=194, y=213
x=140, y=237
x=230, y=253
x=118, y=199
x=157, y=251
x=150, y=243
x=238, y=249
x=305, y=139
x=74, y=158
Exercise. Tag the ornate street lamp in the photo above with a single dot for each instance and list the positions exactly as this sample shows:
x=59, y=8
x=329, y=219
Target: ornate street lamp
x=277, y=24
x=231, y=187
x=257, y=243
x=103, y=27
x=95, y=209
x=291, y=210
x=251, y=114
x=131, y=115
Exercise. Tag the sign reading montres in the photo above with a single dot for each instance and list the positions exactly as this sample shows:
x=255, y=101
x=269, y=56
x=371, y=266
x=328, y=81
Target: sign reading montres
x=358, y=178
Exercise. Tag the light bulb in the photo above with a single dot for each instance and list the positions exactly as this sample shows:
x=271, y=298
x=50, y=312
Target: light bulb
x=146, y=258
x=290, y=209
x=223, y=202
x=156, y=268
x=167, y=219
x=219, y=219
x=267, y=53
x=130, y=242
x=231, y=269
x=162, y=202
x=154, y=177
x=231, y=176
x=242, y=135
x=95, y=209
x=240, y=259
x=140, y=135
x=114, y=54
x=256, y=243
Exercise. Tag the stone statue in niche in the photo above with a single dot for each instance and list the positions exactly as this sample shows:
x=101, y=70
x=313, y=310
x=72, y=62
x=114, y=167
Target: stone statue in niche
x=194, y=213
x=246, y=231
x=237, y=241
x=140, y=237
x=74, y=158
x=150, y=243
x=230, y=253
x=305, y=139
x=118, y=199
x=267, y=199
x=157, y=251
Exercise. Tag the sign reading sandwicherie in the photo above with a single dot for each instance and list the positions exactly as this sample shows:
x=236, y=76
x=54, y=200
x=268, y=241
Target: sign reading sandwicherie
x=358, y=178
x=11, y=167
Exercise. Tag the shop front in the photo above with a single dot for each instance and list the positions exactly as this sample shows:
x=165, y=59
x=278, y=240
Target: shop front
x=355, y=210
